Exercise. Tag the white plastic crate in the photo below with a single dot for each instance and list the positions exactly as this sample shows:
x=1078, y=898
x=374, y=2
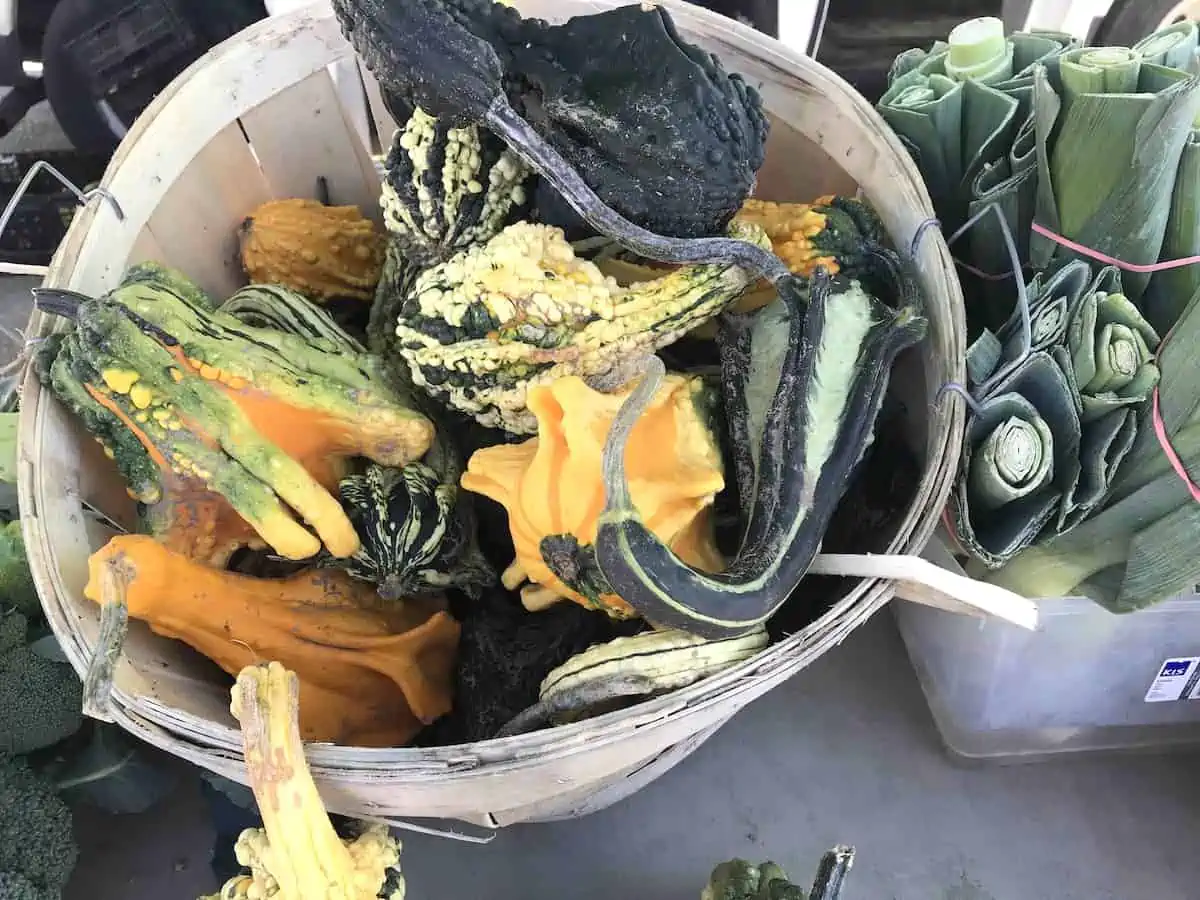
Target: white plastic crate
x=1086, y=679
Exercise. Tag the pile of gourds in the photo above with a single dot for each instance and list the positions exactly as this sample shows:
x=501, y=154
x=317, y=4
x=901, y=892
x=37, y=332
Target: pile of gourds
x=339, y=423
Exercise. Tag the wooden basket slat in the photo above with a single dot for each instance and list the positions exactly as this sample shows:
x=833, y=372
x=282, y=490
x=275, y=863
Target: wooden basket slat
x=301, y=133
x=196, y=222
x=385, y=125
x=825, y=139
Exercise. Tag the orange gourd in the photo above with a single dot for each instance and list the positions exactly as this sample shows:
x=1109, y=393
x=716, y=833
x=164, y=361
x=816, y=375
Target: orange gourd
x=320, y=251
x=551, y=486
x=371, y=675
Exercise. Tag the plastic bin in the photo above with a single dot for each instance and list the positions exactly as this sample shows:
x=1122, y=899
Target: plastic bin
x=1087, y=679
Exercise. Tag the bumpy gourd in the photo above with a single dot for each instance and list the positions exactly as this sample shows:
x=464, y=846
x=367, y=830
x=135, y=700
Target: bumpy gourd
x=653, y=124
x=321, y=251
x=835, y=233
x=370, y=676
x=482, y=330
x=550, y=485
x=448, y=189
x=229, y=435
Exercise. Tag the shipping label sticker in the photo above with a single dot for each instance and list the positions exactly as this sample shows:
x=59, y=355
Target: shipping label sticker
x=1172, y=679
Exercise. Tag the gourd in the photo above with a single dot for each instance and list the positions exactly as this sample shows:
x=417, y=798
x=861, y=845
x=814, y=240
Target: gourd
x=804, y=380
x=298, y=853
x=629, y=669
x=321, y=251
x=550, y=485
x=228, y=435
x=482, y=330
x=282, y=309
x=802, y=408
x=653, y=125
x=447, y=189
x=369, y=675
x=412, y=539
x=416, y=530
x=834, y=233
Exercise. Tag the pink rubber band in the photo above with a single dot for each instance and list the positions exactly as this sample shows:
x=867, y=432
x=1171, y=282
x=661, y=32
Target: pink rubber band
x=1109, y=260
x=1164, y=441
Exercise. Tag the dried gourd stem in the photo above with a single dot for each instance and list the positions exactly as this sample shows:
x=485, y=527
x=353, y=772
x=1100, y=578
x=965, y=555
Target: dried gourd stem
x=58, y=301
x=831, y=874
x=538, y=154
x=612, y=461
x=115, y=578
x=575, y=702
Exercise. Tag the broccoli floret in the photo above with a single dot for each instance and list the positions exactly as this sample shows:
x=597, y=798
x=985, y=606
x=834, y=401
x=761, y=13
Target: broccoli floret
x=40, y=700
x=17, y=590
x=36, y=839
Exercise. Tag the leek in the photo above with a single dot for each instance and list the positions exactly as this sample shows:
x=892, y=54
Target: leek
x=1021, y=447
x=1112, y=349
x=1171, y=289
x=1050, y=434
x=1111, y=133
x=1141, y=547
x=963, y=110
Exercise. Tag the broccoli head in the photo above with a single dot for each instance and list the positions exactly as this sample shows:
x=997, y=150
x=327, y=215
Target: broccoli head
x=40, y=699
x=37, y=845
x=17, y=590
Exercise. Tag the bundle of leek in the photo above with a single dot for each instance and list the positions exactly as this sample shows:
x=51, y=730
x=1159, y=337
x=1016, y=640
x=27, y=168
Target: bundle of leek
x=1111, y=129
x=1141, y=547
x=1056, y=412
x=1087, y=142
x=964, y=111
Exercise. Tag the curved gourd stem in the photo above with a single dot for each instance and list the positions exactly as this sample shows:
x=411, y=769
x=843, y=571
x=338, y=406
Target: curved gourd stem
x=114, y=627
x=612, y=460
x=536, y=152
x=59, y=301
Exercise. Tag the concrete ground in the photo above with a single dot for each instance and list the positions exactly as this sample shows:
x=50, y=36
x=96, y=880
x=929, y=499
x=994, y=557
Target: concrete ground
x=845, y=752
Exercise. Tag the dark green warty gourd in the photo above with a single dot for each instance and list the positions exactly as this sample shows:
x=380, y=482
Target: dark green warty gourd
x=616, y=98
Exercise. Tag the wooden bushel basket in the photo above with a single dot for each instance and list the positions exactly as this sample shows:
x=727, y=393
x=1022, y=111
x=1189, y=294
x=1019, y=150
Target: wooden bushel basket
x=260, y=117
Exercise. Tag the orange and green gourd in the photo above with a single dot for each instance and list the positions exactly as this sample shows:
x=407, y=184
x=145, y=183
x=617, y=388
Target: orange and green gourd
x=228, y=435
x=551, y=486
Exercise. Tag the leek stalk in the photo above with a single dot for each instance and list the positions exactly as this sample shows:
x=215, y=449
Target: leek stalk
x=1141, y=547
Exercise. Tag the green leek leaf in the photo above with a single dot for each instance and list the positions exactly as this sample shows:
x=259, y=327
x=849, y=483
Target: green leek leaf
x=1021, y=459
x=1140, y=548
x=1118, y=137
x=1171, y=289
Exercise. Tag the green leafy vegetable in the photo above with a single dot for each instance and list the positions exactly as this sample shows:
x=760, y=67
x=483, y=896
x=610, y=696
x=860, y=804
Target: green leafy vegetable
x=1140, y=547
x=1111, y=129
x=1052, y=425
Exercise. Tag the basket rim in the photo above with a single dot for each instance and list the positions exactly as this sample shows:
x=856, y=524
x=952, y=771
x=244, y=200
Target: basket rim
x=736, y=686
